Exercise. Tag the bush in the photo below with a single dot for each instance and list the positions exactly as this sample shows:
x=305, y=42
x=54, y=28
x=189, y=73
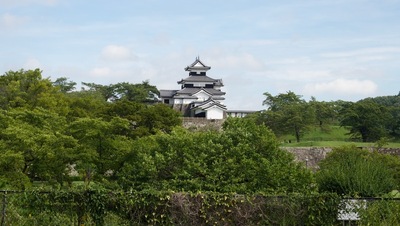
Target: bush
x=350, y=171
x=105, y=207
x=243, y=158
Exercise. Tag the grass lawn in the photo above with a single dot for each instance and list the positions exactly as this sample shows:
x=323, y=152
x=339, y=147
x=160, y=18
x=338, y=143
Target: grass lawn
x=334, y=136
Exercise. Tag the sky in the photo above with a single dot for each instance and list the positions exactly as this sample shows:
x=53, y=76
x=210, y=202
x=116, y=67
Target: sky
x=327, y=49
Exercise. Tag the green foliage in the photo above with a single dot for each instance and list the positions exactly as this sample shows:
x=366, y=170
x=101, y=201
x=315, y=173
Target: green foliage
x=325, y=112
x=103, y=207
x=354, y=172
x=49, y=132
x=367, y=119
x=287, y=114
x=383, y=212
x=64, y=85
x=27, y=89
x=243, y=158
x=35, y=137
x=141, y=93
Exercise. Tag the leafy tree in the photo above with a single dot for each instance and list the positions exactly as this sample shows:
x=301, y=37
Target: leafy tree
x=393, y=105
x=144, y=119
x=36, y=137
x=28, y=89
x=158, y=117
x=84, y=104
x=351, y=171
x=288, y=113
x=64, y=85
x=367, y=120
x=101, y=145
x=324, y=111
x=243, y=158
x=143, y=93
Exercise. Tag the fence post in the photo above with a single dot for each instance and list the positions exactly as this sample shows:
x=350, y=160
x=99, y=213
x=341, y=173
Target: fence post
x=3, y=216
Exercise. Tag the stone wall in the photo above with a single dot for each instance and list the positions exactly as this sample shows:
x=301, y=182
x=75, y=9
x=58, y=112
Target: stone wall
x=202, y=123
x=311, y=156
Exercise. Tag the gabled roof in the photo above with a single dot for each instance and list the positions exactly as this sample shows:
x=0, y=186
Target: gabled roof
x=197, y=65
x=210, y=103
x=217, y=105
x=219, y=82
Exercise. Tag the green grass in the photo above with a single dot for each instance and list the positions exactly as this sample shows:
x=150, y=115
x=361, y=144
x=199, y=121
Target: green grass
x=336, y=144
x=333, y=136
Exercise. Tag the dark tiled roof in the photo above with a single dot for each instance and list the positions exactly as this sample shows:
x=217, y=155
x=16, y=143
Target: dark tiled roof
x=211, y=103
x=198, y=78
x=191, y=91
x=167, y=93
x=195, y=64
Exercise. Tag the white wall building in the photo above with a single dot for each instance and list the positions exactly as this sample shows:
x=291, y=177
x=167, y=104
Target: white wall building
x=199, y=96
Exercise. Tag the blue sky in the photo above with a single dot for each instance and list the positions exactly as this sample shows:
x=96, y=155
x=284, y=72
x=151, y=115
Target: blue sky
x=329, y=49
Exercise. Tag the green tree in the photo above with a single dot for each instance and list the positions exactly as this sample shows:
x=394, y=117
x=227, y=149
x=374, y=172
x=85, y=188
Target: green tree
x=351, y=171
x=367, y=120
x=142, y=93
x=288, y=114
x=101, y=145
x=145, y=119
x=243, y=158
x=324, y=112
x=64, y=85
x=37, y=136
x=27, y=89
x=84, y=104
x=158, y=117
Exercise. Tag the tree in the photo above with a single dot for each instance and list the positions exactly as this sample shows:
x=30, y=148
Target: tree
x=351, y=171
x=84, y=104
x=35, y=140
x=287, y=114
x=144, y=119
x=101, y=145
x=367, y=120
x=393, y=105
x=142, y=93
x=27, y=89
x=243, y=158
x=64, y=85
x=324, y=111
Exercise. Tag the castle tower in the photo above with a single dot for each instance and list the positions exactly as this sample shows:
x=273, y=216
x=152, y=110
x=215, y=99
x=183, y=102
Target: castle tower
x=199, y=96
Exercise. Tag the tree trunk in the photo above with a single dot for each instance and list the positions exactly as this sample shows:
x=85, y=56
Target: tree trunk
x=297, y=131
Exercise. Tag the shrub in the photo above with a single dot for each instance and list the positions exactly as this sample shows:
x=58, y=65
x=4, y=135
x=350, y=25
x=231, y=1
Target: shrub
x=350, y=171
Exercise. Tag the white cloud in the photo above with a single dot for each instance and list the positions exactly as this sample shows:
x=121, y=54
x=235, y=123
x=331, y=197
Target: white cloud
x=11, y=21
x=32, y=63
x=117, y=53
x=294, y=60
x=244, y=61
x=300, y=75
x=162, y=39
x=100, y=72
x=362, y=52
x=342, y=87
x=13, y=3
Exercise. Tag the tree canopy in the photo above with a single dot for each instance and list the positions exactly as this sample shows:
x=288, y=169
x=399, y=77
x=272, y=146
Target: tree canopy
x=287, y=113
x=48, y=127
x=243, y=158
